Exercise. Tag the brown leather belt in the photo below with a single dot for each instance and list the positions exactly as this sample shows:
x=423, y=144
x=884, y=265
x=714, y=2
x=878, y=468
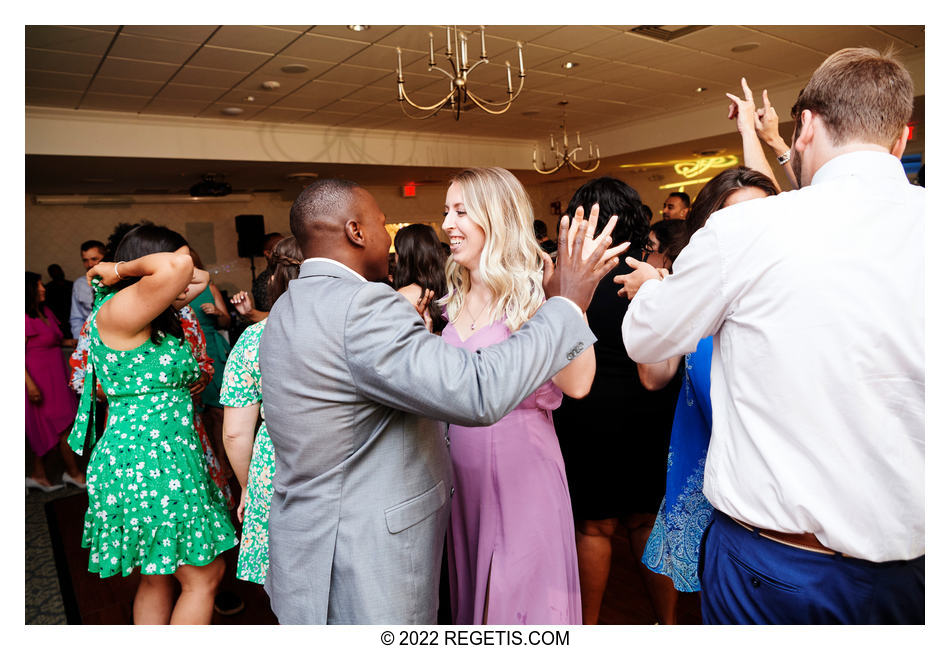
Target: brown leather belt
x=802, y=541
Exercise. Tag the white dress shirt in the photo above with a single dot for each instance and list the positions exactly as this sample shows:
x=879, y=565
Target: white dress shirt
x=815, y=300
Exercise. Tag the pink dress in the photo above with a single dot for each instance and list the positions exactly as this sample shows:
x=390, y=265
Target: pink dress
x=45, y=363
x=511, y=513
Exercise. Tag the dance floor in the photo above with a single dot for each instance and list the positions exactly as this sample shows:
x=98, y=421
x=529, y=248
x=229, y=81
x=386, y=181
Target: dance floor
x=89, y=600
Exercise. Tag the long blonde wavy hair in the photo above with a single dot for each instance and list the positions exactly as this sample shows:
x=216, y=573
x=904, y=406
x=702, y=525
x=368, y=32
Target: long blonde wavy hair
x=510, y=264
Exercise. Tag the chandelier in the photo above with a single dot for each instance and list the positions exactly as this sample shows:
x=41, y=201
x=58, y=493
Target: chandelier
x=567, y=156
x=456, y=51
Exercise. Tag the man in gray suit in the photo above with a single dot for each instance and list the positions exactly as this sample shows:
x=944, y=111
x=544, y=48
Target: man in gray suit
x=356, y=391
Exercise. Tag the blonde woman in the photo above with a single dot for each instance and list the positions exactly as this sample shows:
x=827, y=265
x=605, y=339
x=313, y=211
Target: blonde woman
x=511, y=550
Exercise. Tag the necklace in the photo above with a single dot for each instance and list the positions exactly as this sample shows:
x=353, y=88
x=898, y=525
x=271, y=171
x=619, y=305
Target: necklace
x=479, y=313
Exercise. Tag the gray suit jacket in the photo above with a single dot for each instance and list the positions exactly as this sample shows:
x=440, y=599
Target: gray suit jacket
x=353, y=386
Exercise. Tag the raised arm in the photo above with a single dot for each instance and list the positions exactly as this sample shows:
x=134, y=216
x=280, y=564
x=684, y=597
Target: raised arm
x=125, y=318
x=766, y=126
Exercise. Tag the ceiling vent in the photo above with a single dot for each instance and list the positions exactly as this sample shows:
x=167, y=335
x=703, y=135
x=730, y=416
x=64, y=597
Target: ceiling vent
x=666, y=33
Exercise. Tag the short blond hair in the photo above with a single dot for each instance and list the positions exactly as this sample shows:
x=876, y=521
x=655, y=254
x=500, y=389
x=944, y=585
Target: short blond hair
x=861, y=95
x=510, y=264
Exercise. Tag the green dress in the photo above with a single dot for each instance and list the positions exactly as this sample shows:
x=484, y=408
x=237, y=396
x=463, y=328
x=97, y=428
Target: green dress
x=215, y=344
x=242, y=387
x=152, y=503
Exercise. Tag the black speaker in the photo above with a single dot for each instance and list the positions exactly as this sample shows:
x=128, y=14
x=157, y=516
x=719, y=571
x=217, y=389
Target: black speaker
x=250, y=230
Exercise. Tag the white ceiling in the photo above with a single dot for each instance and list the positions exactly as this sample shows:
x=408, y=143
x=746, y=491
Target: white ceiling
x=623, y=77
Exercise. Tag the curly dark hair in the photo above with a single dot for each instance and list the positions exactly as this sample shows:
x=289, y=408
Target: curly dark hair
x=33, y=294
x=615, y=198
x=421, y=261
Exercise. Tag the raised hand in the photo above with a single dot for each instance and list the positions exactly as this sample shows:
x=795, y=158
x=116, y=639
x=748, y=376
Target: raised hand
x=242, y=302
x=107, y=272
x=766, y=126
x=422, y=306
x=633, y=281
x=577, y=275
x=211, y=309
x=743, y=110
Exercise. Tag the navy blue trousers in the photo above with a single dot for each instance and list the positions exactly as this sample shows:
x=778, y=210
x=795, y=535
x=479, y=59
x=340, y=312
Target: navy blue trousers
x=750, y=579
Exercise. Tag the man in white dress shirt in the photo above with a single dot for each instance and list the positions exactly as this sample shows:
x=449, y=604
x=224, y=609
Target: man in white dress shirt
x=816, y=463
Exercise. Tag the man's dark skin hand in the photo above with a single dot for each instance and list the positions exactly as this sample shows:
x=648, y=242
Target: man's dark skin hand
x=579, y=271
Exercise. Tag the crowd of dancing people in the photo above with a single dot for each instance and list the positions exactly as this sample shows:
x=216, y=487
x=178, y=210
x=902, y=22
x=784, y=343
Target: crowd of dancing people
x=744, y=407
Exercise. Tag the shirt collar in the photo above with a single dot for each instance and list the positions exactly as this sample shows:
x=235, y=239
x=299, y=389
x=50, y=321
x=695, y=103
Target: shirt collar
x=340, y=264
x=859, y=163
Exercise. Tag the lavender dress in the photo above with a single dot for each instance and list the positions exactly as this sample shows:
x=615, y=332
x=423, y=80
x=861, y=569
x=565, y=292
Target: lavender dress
x=511, y=513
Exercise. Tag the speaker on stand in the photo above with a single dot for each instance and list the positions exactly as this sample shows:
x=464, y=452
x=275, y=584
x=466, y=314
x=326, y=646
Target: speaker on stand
x=250, y=230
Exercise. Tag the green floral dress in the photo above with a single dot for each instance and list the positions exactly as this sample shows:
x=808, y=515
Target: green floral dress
x=241, y=386
x=152, y=503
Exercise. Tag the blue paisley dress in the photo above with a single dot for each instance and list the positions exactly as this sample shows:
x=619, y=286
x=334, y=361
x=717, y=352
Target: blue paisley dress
x=673, y=546
x=152, y=503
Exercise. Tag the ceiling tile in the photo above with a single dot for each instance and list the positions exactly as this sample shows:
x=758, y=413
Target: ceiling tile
x=326, y=118
x=239, y=97
x=102, y=28
x=271, y=71
x=284, y=115
x=110, y=102
x=228, y=59
x=371, y=35
x=824, y=38
x=575, y=37
x=415, y=38
x=61, y=61
x=196, y=75
x=56, y=80
x=52, y=97
x=252, y=38
x=144, y=48
x=384, y=56
x=349, y=106
x=68, y=39
x=316, y=94
x=125, y=86
x=584, y=63
x=355, y=74
x=775, y=53
x=197, y=93
x=911, y=34
x=323, y=48
x=374, y=94
x=523, y=33
x=160, y=106
x=127, y=69
x=620, y=47
x=185, y=33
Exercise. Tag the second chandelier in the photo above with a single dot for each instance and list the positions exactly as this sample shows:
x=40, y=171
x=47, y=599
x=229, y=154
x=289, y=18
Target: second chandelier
x=456, y=51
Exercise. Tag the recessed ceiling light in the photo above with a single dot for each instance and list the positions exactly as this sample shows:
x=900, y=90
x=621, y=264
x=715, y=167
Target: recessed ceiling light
x=232, y=110
x=358, y=28
x=569, y=64
x=701, y=89
x=706, y=153
x=249, y=98
x=563, y=102
x=745, y=47
x=303, y=176
x=294, y=68
x=270, y=85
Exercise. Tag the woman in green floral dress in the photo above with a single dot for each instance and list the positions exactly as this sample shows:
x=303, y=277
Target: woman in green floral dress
x=252, y=457
x=152, y=503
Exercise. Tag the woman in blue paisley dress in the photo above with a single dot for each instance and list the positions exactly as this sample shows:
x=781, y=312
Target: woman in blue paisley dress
x=152, y=504
x=673, y=546
x=252, y=457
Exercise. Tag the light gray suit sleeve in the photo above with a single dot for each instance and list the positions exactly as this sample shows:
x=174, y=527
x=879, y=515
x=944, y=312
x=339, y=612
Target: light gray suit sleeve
x=395, y=361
